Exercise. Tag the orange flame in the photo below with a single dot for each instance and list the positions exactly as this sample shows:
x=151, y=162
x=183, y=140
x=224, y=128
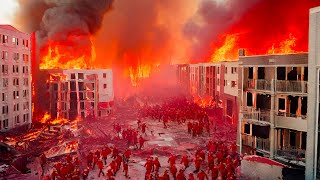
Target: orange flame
x=228, y=51
x=47, y=119
x=139, y=73
x=59, y=57
x=285, y=47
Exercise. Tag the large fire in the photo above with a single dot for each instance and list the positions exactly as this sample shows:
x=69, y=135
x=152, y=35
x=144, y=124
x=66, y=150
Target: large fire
x=139, y=73
x=47, y=119
x=285, y=47
x=60, y=56
x=227, y=51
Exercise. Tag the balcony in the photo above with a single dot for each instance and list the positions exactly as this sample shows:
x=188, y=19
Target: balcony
x=291, y=121
x=263, y=144
x=260, y=84
x=291, y=86
x=292, y=154
x=250, y=113
x=256, y=142
x=248, y=140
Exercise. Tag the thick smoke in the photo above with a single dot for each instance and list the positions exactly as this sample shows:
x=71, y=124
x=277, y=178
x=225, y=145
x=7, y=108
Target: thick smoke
x=211, y=20
x=68, y=24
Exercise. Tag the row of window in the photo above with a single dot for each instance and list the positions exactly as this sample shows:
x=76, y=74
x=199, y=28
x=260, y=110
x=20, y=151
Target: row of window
x=233, y=70
x=4, y=39
x=15, y=69
x=17, y=118
x=16, y=107
x=15, y=56
x=225, y=83
x=81, y=75
x=5, y=82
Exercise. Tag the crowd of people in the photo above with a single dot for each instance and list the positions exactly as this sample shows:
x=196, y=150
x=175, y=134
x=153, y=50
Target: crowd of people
x=217, y=160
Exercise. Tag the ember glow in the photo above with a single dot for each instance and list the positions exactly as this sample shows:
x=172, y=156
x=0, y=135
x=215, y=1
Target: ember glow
x=139, y=73
x=228, y=51
x=285, y=47
x=47, y=119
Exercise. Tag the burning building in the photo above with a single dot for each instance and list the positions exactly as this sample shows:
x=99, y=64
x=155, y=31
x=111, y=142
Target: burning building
x=73, y=93
x=15, y=78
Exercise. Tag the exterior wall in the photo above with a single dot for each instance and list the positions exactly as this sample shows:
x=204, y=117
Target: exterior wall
x=15, y=85
x=313, y=93
x=183, y=74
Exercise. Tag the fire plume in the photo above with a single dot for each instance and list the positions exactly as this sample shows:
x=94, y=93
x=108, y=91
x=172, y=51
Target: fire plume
x=136, y=74
x=59, y=56
x=285, y=47
x=227, y=51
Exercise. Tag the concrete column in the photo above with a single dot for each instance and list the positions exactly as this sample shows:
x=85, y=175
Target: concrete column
x=313, y=62
x=272, y=121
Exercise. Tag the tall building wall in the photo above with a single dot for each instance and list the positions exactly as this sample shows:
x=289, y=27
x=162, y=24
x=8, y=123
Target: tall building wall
x=313, y=93
x=15, y=81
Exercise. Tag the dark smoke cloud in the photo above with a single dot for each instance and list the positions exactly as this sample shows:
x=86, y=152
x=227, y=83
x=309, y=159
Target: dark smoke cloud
x=211, y=20
x=69, y=23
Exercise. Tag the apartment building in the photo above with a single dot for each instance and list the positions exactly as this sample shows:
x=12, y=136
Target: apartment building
x=218, y=81
x=227, y=89
x=15, y=78
x=80, y=93
x=273, y=108
x=183, y=76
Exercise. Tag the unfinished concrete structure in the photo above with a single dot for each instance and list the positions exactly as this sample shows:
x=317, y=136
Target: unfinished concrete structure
x=81, y=93
x=273, y=115
x=15, y=78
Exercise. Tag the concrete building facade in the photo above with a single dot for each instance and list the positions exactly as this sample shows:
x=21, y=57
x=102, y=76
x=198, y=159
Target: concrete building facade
x=313, y=146
x=80, y=93
x=273, y=107
x=15, y=78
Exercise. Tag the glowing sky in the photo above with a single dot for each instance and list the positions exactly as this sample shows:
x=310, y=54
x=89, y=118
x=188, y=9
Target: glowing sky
x=7, y=11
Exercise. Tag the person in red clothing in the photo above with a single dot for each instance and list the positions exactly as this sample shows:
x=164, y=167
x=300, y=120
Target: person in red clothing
x=181, y=175
x=143, y=128
x=215, y=172
x=115, y=153
x=104, y=155
x=95, y=160
x=64, y=172
x=202, y=175
x=191, y=176
x=113, y=167
x=173, y=171
x=141, y=142
x=189, y=127
x=89, y=159
x=156, y=164
x=125, y=169
x=165, y=175
x=210, y=161
x=118, y=161
x=197, y=164
x=148, y=165
x=100, y=166
x=185, y=161
x=55, y=175
x=76, y=162
x=97, y=153
x=172, y=160
x=127, y=155
x=110, y=173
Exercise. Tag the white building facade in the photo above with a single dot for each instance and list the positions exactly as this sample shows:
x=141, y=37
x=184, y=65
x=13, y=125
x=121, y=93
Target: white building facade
x=313, y=146
x=15, y=81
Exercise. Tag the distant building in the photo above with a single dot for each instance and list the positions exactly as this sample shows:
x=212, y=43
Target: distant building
x=15, y=78
x=81, y=93
x=273, y=107
x=217, y=81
